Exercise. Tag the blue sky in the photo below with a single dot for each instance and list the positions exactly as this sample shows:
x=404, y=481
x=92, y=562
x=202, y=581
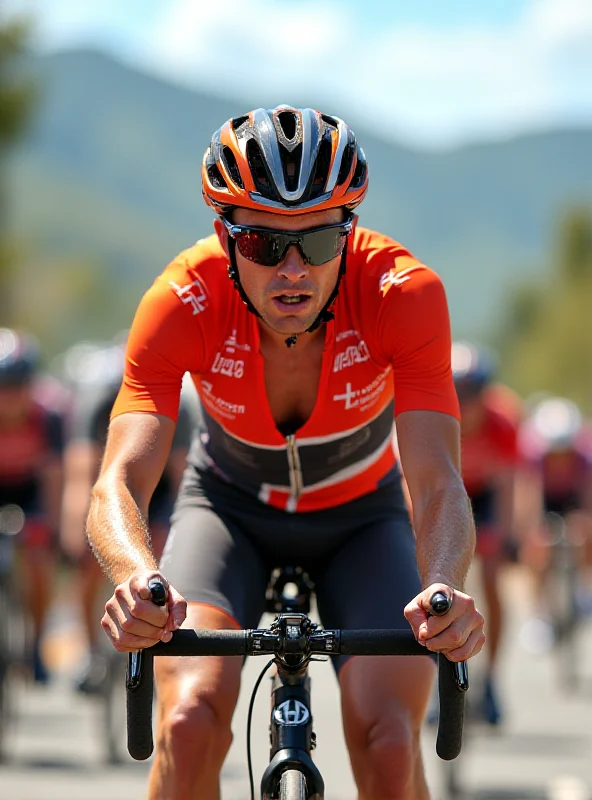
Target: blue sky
x=431, y=73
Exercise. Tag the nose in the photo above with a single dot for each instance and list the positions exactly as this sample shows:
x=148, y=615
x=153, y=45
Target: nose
x=293, y=267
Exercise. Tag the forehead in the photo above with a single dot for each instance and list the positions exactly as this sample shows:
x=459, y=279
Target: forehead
x=297, y=222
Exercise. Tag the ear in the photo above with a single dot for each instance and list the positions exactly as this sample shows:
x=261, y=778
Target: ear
x=222, y=234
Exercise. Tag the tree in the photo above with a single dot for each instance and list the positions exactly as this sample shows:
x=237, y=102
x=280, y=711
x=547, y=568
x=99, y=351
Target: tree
x=17, y=93
x=546, y=341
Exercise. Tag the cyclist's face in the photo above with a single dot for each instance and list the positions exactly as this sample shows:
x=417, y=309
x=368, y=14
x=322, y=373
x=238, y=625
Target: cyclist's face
x=290, y=296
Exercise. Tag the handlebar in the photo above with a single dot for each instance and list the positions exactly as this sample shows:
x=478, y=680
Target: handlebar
x=305, y=642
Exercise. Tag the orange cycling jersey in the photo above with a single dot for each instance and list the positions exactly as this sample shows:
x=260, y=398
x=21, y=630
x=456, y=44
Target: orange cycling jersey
x=386, y=351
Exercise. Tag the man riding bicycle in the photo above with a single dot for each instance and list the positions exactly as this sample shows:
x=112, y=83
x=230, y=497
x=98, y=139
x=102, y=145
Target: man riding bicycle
x=31, y=476
x=490, y=416
x=301, y=365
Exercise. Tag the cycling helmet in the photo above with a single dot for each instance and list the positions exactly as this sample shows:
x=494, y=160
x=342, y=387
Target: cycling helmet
x=19, y=357
x=94, y=365
x=473, y=368
x=286, y=160
x=557, y=422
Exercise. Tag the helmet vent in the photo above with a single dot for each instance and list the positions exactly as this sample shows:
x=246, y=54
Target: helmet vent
x=215, y=177
x=360, y=171
x=329, y=120
x=291, y=166
x=321, y=168
x=346, y=162
x=288, y=123
x=237, y=122
x=257, y=167
x=232, y=167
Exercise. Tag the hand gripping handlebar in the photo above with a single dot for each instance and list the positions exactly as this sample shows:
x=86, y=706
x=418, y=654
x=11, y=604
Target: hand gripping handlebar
x=452, y=677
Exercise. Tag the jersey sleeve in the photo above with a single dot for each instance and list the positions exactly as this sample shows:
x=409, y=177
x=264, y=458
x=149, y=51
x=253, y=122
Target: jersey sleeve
x=165, y=341
x=412, y=334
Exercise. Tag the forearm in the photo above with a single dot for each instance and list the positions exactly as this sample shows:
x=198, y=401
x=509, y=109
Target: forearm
x=117, y=530
x=445, y=535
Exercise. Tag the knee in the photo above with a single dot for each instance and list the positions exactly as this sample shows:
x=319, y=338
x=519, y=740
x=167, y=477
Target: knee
x=391, y=751
x=192, y=730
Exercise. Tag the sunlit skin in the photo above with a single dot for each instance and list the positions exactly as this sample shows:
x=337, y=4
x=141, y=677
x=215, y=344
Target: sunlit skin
x=263, y=285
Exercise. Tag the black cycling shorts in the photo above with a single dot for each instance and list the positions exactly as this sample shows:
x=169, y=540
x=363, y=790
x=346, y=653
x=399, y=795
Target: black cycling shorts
x=224, y=544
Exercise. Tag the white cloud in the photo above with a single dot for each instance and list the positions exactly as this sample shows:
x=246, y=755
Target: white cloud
x=431, y=85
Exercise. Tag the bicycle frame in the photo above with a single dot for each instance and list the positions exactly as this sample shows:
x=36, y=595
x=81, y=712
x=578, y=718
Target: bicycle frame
x=291, y=734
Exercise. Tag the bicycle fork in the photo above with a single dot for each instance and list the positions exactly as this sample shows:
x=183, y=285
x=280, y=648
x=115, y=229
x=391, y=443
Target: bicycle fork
x=291, y=734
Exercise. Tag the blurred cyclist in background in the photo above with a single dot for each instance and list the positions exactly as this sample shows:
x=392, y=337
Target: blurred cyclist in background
x=490, y=415
x=96, y=372
x=555, y=446
x=31, y=449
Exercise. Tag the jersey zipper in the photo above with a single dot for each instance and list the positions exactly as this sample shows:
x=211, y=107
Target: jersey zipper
x=294, y=466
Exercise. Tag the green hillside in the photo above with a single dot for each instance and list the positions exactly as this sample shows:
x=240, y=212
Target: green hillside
x=109, y=176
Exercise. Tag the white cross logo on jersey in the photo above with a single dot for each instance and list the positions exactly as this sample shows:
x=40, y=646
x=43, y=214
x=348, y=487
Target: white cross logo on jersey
x=192, y=294
x=348, y=396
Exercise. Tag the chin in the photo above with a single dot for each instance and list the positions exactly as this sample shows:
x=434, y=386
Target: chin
x=289, y=326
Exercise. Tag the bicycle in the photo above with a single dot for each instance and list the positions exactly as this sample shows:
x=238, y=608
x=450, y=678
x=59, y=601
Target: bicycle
x=562, y=586
x=12, y=620
x=292, y=640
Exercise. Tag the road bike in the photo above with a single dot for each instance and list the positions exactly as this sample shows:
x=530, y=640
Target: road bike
x=292, y=640
x=561, y=587
x=13, y=639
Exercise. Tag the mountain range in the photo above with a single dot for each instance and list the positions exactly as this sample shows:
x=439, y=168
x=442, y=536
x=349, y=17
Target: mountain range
x=109, y=173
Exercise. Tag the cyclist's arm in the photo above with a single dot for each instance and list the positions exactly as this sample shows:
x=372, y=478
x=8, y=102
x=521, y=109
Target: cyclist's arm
x=137, y=448
x=81, y=464
x=52, y=474
x=52, y=483
x=429, y=446
x=505, y=502
x=136, y=453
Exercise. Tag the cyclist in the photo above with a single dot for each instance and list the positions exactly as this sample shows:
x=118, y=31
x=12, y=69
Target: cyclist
x=301, y=362
x=553, y=439
x=96, y=372
x=490, y=415
x=31, y=448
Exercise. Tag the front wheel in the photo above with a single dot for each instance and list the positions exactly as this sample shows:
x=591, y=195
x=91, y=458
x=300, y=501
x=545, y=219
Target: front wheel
x=292, y=785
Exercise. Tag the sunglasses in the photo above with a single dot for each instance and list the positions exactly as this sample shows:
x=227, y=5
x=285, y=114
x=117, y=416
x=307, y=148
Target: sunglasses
x=268, y=247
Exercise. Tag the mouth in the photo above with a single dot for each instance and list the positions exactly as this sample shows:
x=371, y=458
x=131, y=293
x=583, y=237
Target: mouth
x=290, y=302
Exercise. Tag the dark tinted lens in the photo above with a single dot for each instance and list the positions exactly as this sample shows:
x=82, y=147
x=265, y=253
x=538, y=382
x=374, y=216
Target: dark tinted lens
x=262, y=247
x=322, y=245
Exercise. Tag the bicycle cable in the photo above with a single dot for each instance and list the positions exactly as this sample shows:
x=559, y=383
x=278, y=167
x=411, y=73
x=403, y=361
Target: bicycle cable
x=249, y=717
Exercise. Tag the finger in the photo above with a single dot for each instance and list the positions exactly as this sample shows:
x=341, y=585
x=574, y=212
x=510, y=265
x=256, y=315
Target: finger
x=415, y=615
x=126, y=642
x=139, y=608
x=128, y=623
x=140, y=584
x=470, y=648
x=453, y=637
x=177, y=606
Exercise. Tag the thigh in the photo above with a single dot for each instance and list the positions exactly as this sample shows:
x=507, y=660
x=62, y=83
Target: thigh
x=370, y=578
x=199, y=682
x=367, y=585
x=211, y=561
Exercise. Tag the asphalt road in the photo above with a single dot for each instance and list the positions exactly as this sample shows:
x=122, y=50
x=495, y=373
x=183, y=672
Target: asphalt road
x=543, y=751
